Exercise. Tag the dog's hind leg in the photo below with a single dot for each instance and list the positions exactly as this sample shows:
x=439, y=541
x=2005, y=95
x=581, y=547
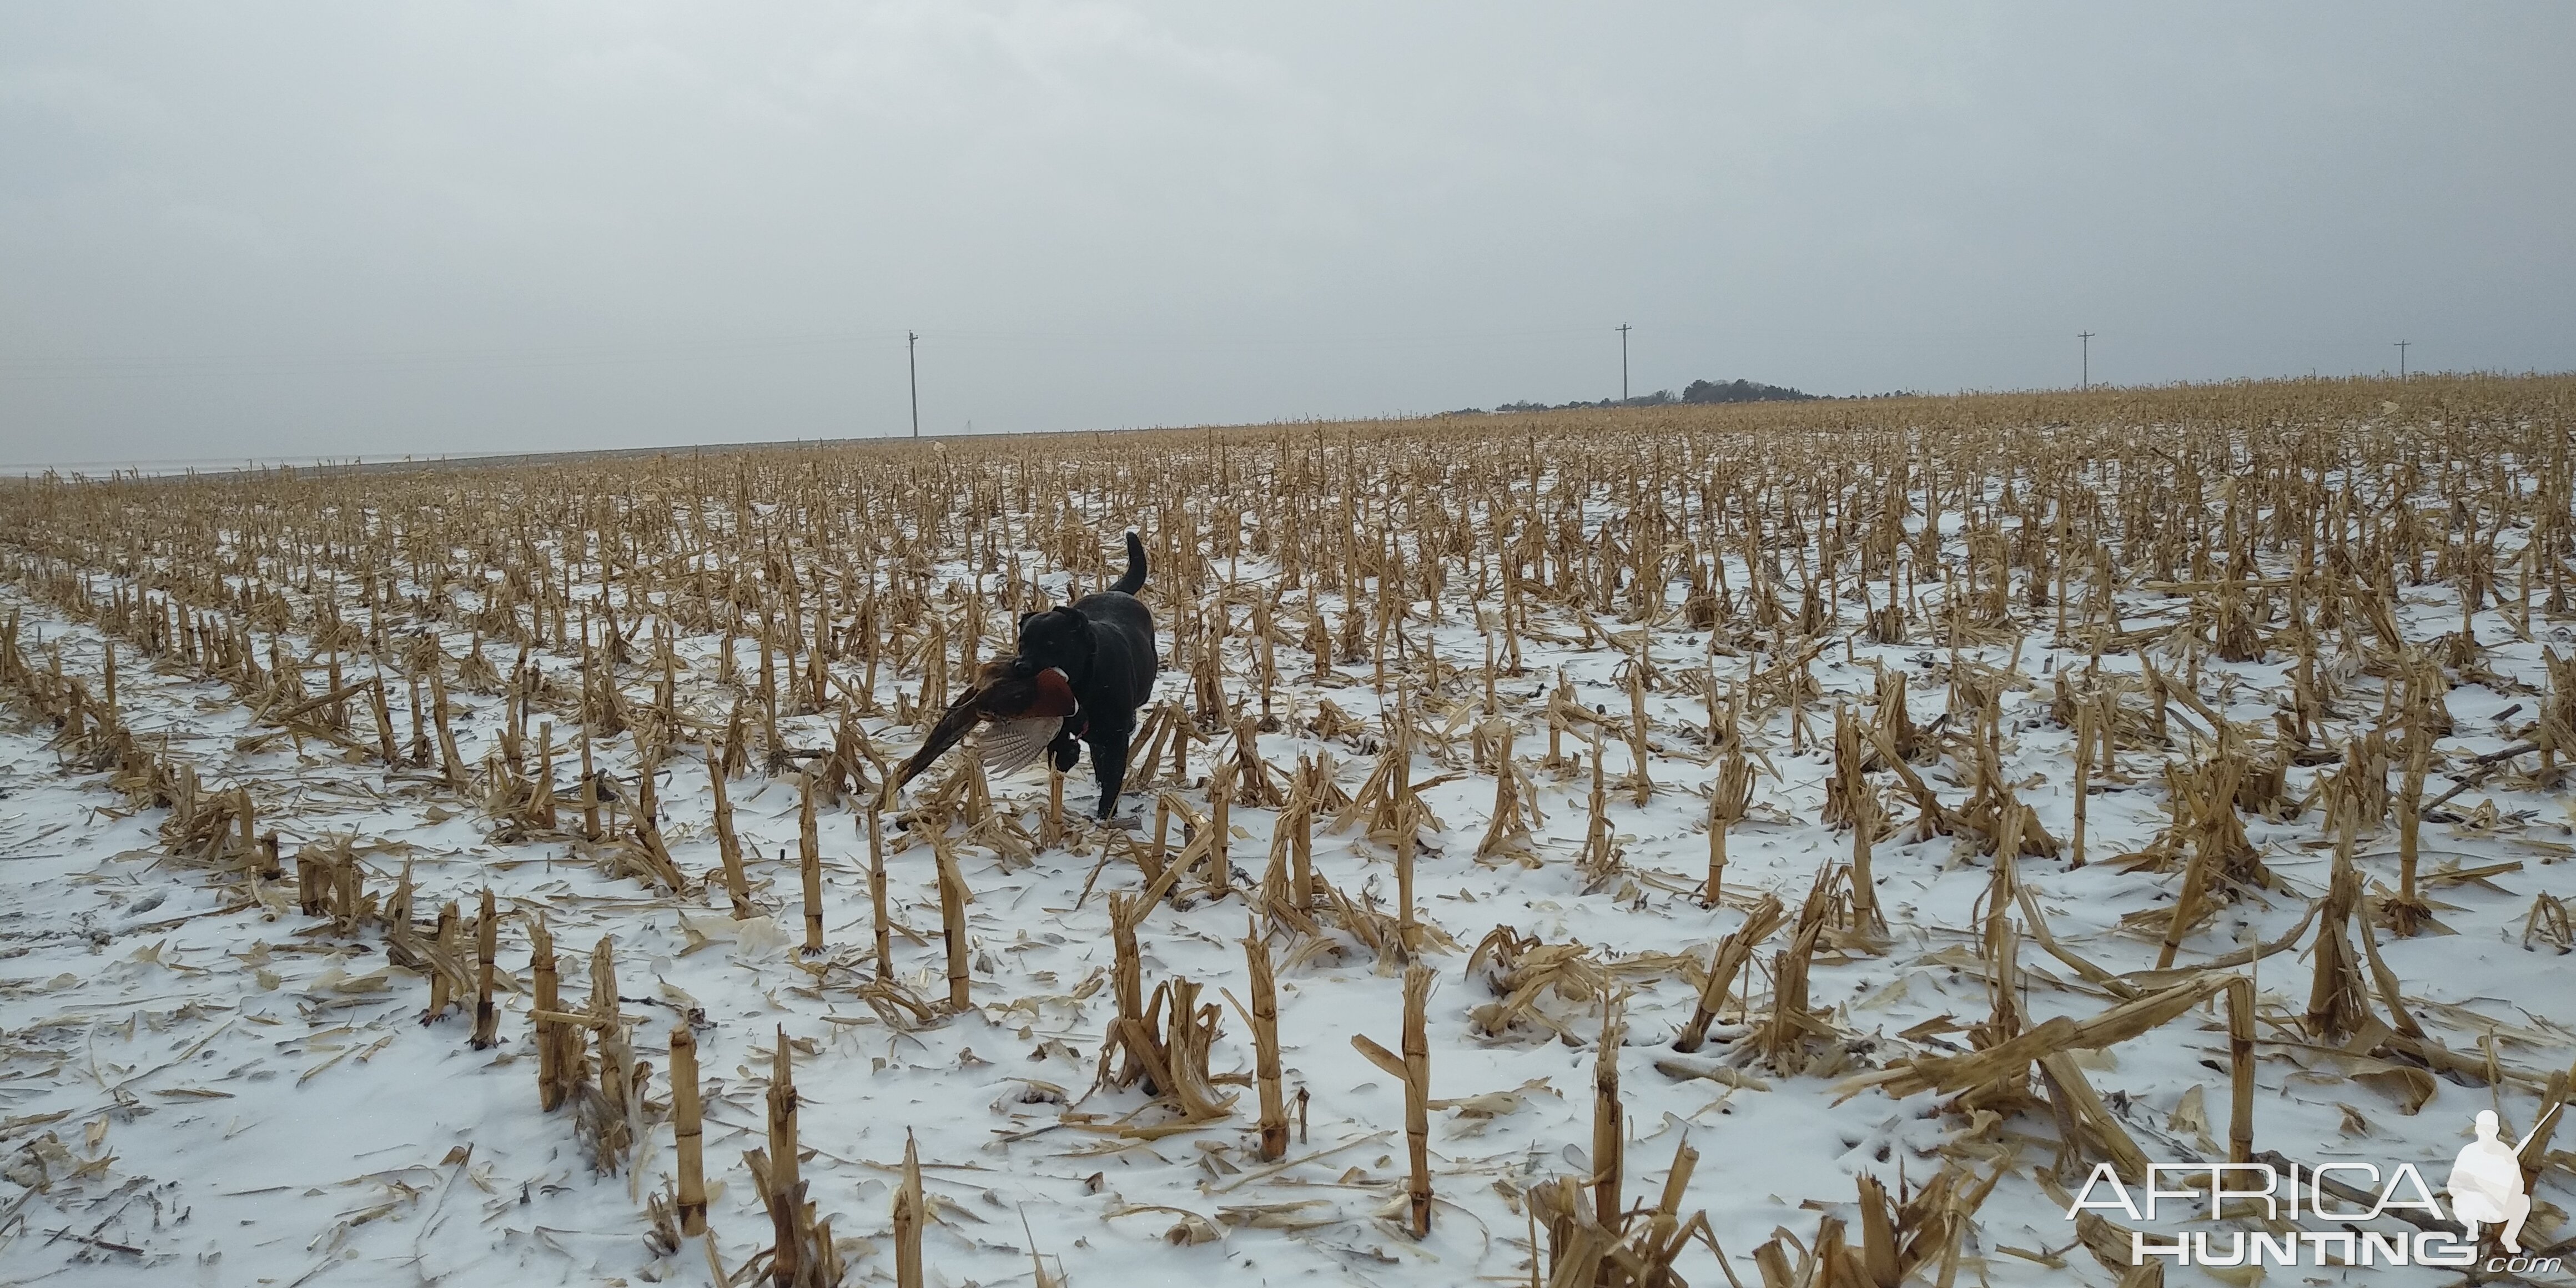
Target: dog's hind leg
x=1109, y=761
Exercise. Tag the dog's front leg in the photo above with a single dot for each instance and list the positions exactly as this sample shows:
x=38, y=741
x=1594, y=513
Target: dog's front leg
x=1109, y=761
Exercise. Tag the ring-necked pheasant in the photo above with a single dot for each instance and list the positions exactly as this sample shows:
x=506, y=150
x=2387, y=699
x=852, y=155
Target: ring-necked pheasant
x=1012, y=719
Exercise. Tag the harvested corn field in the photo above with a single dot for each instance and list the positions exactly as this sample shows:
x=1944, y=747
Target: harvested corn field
x=1793, y=845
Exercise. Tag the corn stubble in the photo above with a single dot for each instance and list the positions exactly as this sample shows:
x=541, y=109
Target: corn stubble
x=2361, y=536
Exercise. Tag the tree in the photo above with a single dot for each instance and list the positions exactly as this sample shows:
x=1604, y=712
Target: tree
x=1739, y=391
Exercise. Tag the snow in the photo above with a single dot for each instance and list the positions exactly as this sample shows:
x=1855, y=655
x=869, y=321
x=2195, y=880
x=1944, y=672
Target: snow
x=210, y=1091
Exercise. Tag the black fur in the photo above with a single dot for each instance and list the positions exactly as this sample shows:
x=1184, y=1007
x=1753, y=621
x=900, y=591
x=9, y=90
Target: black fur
x=1104, y=644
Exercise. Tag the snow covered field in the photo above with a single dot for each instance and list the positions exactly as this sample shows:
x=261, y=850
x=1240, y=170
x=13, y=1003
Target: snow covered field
x=204, y=1084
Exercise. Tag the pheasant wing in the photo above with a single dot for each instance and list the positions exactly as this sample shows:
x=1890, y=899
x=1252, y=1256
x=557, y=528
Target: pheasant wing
x=1006, y=745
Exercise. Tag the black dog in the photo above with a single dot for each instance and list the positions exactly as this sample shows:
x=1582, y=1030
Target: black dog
x=1104, y=644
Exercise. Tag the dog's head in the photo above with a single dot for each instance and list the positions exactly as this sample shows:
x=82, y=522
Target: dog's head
x=1059, y=638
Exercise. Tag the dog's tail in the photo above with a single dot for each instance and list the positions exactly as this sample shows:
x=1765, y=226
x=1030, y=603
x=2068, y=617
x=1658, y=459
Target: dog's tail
x=1135, y=579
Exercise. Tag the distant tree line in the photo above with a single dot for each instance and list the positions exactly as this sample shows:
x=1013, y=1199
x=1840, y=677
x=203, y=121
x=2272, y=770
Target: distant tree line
x=1698, y=391
x=1736, y=391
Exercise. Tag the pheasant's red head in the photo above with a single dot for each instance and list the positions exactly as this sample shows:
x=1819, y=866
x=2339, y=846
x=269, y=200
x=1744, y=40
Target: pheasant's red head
x=1053, y=695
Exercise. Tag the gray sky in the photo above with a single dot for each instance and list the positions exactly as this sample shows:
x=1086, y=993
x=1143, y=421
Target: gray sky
x=317, y=228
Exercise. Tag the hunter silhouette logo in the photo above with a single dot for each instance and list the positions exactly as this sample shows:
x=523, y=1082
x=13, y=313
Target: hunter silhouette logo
x=2486, y=1185
x=2485, y=1190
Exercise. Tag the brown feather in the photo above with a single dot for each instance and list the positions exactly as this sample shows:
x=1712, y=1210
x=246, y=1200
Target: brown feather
x=1032, y=710
x=1007, y=745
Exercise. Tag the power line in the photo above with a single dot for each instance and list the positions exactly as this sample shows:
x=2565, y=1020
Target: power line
x=219, y=364
x=120, y=366
x=1203, y=338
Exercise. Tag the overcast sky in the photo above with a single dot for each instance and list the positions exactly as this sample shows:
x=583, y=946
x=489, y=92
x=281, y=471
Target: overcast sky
x=294, y=229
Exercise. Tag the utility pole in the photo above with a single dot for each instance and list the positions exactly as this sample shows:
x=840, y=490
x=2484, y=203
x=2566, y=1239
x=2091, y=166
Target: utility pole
x=1623, y=362
x=912, y=369
x=2401, y=358
x=2087, y=338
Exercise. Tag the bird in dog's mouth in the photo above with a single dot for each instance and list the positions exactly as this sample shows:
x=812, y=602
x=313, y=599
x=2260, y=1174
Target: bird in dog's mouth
x=1013, y=711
